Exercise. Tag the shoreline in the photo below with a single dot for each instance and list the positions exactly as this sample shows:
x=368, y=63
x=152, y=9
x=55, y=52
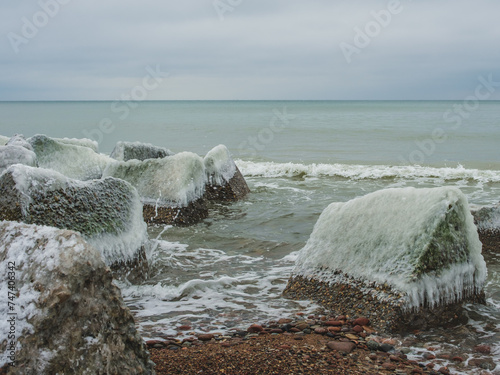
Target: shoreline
x=306, y=345
x=303, y=345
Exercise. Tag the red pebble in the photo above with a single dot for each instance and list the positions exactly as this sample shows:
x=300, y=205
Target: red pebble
x=361, y=322
x=255, y=328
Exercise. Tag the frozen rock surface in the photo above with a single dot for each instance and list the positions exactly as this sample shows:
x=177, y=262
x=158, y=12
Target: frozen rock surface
x=3, y=140
x=19, y=140
x=225, y=181
x=410, y=251
x=83, y=142
x=70, y=317
x=125, y=151
x=488, y=218
x=107, y=212
x=72, y=160
x=171, y=188
x=10, y=155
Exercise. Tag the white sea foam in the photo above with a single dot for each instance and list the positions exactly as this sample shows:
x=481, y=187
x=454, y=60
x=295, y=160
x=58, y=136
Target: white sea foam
x=209, y=289
x=219, y=165
x=384, y=237
x=358, y=172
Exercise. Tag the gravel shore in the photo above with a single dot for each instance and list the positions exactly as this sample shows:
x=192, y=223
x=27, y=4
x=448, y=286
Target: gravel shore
x=312, y=345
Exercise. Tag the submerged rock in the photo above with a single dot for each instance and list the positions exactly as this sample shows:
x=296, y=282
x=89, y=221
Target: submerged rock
x=107, y=212
x=404, y=258
x=171, y=189
x=72, y=160
x=69, y=316
x=10, y=155
x=125, y=151
x=225, y=181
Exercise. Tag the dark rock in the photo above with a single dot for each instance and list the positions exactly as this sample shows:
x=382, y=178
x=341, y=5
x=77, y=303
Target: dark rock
x=71, y=318
x=386, y=348
x=373, y=345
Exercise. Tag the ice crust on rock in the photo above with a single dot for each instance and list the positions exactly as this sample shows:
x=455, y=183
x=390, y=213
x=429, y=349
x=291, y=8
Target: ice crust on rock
x=3, y=140
x=83, y=142
x=125, y=151
x=488, y=218
x=10, y=155
x=74, y=161
x=107, y=212
x=70, y=317
x=219, y=165
x=19, y=140
x=421, y=242
x=173, y=181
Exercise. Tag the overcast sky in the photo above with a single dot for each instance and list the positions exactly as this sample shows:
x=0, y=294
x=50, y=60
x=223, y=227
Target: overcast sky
x=247, y=49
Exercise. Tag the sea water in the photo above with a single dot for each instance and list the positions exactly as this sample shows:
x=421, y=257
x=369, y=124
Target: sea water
x=297, y=157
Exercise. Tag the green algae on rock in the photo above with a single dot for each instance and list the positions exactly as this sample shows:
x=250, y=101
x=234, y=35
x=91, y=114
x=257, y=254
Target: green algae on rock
x=107, y=212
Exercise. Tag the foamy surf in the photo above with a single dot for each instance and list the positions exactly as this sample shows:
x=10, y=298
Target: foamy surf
x=359, y=172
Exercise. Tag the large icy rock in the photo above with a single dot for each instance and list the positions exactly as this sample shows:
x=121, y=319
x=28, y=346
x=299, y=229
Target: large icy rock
x=10, y=155
x=411, y=256
x=72, y=160
x=3, y=140
x=84, y=142
x=225, y=181
x=107, y=212
x=171, y=188
x=19, y=140
x=125, y=151
x=65, y=315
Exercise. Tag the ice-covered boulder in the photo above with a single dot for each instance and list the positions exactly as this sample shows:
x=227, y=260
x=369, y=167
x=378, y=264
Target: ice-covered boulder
x=487, y=220
x=171, y=189
x=10, y=155
x=19, y=140
x=74, y=161
x=84, y=142
x=403, y=257
x=107, y=212
x=225, y=181
x=65, y=315
x=125, y=151
x=3, y=140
